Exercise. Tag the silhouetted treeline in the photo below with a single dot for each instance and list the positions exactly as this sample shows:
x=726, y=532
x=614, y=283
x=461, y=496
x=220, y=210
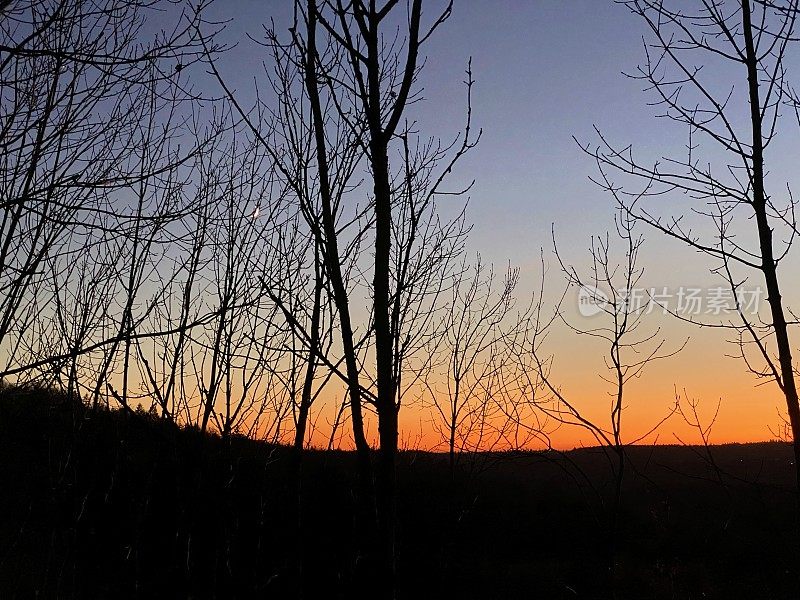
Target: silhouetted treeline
x=124, y=505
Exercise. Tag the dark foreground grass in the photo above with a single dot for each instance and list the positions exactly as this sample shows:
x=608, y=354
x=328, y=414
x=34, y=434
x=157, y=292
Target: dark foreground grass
x=114, y=505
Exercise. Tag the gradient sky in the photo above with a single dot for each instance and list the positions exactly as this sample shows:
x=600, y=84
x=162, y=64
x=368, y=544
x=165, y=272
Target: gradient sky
x=547, y=70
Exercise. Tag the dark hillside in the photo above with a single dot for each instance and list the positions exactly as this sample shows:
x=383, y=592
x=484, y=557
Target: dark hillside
x=114, y=505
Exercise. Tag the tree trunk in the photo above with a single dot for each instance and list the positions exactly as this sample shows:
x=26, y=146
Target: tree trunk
x=365, y=505
x=384, y=347
x=768, y=266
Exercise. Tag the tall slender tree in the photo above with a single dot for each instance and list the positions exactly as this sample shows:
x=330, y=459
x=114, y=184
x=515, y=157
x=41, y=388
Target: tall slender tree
x=719, y=70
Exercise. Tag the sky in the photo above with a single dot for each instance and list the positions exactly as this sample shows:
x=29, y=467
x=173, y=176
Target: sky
x=546, y=71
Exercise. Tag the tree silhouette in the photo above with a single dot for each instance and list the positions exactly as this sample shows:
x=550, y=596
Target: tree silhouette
x=748, y=42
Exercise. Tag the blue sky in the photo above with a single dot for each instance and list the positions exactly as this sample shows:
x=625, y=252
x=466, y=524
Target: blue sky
x=545, y=71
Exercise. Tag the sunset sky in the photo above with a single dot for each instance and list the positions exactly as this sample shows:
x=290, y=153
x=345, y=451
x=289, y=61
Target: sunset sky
x=545, y=71
x=399, y=299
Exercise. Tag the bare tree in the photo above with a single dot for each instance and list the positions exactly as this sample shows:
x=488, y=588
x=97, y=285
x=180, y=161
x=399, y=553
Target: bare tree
x=91, y=112
x=357, y=88
x=379, y=86
x=607, y=296
x=747, y=43
x=465, y=391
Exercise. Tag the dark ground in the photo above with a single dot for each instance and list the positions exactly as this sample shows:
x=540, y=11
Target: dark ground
x=109, y=505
